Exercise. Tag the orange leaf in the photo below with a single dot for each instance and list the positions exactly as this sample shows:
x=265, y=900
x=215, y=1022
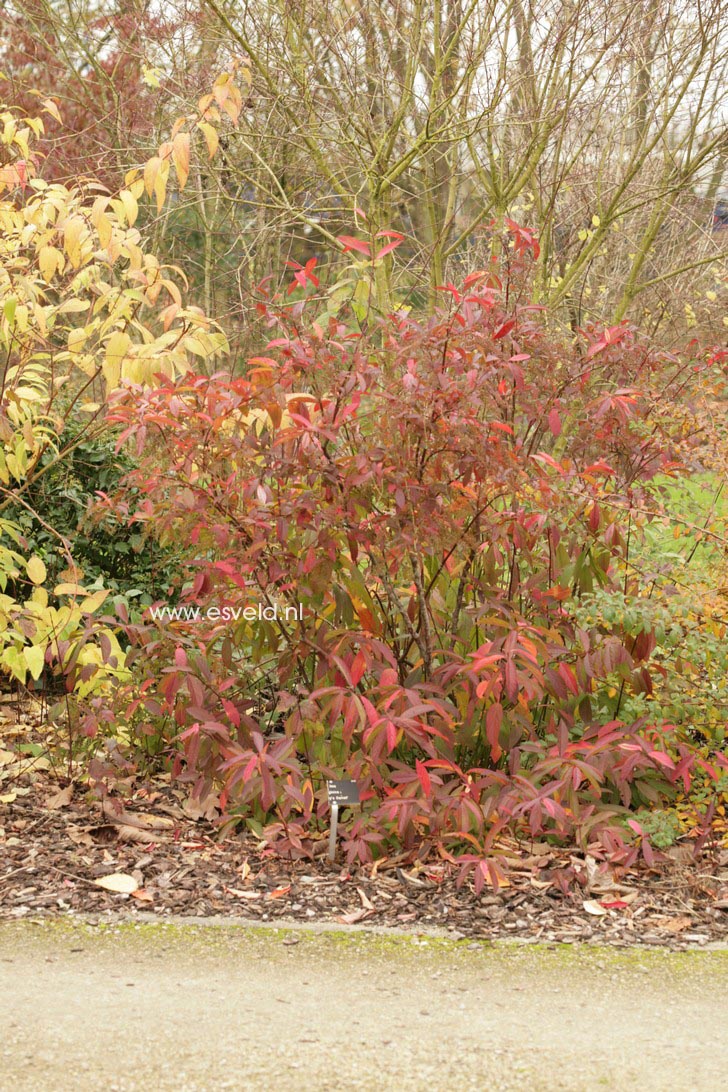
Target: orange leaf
x=279, y=892
x=151, y=170
x=181, y=157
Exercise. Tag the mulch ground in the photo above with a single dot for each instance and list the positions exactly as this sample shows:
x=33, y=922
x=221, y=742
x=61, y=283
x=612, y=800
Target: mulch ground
x=55, y=845
x=61, y=850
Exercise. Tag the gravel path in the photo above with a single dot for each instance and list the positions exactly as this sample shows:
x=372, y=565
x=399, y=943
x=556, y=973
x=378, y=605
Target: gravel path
x=192, y=1009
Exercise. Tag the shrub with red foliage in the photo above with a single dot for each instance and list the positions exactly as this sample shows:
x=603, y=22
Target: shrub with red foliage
x=429, y=500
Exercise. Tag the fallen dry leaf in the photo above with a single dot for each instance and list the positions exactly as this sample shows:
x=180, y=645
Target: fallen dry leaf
x=676, y=925
x=140, y=819
x=207, y=808
x=366, y=902
x=593, y=907
x=243, y=894
x=354, y=917
x=60, y=799
x=279, y=892
x=142, y=895
x=126, y=833
x=119, y=882
x=152, y=822
x=78, y=836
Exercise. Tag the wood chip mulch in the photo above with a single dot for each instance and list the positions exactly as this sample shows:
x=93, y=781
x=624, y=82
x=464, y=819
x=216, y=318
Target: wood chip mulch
x=56, y=844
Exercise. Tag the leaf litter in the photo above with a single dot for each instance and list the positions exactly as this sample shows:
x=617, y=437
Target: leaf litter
x=60, y=854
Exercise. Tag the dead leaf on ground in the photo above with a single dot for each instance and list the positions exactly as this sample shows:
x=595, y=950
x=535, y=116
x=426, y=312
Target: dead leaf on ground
x=78, y=836
x=279, y=892
x=207, y=808
x=126, y=833
x=366, y=902
x=121, y=883
x=354, y=916
x=60, y=799
x=676, y=925
x=142, y=895
x=151, y=821
x=138, y=820
x=593, y=907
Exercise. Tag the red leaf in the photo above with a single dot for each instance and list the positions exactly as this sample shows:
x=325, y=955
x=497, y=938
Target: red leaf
x=350, y=243
x=594, y=518
x=424, y=777
x=388, y=248
x=358, y=667
x=504, y=329
x=249, y=769
x=511, y=681
x=391, y=736
x=555, y=422
x=569, y=678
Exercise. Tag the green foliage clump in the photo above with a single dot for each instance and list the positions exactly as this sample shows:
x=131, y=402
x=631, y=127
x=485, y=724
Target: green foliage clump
x=59, y=506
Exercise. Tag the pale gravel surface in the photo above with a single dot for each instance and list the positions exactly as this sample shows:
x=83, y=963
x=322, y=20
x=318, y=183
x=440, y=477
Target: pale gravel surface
x=192, y=1009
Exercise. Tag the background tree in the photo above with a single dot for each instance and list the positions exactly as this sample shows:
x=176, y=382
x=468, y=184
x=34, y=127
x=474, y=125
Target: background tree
x=603, y=127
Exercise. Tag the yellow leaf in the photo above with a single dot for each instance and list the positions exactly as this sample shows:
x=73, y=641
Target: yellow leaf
x=49, y=260
x=93, y=602
x=150, y=76
x=69, y=307
x=36, y=570
x=51, y=108
x=131, y=208
x=135, y=370
x=181, y=157
x=40, y=596
x=69, y=589
x=72, y=240
x=34, y=657
x=116, y=349
x=151, y=170
x=160, y=187
x=210, y=134
x=76, y=339
x=118, y=346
